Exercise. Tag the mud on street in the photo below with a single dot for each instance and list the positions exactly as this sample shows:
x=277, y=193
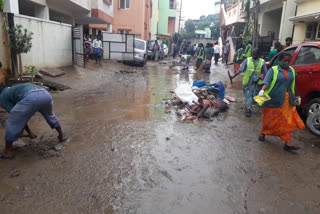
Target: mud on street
x=129, y=153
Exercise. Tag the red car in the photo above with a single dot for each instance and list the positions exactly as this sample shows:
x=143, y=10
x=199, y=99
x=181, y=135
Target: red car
x=306, y=61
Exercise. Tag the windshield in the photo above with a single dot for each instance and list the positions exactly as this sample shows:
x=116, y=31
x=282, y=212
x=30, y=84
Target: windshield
x=151, y=43
x=139, y=45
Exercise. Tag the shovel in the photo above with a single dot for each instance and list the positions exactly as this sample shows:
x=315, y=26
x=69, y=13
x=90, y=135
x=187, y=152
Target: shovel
x=230, y=77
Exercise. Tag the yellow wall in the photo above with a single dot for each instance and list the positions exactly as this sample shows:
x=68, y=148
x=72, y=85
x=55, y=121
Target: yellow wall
x=299, y=33
x=304, y=8
x=308, y=6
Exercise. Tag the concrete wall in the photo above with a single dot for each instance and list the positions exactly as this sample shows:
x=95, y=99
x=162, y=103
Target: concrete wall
x=101, y=5
x=299, y=33
x=304, y=8
x=164, y=14
x=4, y=49
x=307, y=7
x=266, y=20
x=286, y=28
x=154, y=19
x=133, y=19
x=52, y=42
x=83, y=3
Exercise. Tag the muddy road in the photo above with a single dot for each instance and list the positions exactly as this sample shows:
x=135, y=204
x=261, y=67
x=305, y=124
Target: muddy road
x=129, y=153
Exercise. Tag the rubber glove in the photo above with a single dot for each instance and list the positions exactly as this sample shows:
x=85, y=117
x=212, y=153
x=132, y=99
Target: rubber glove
x=261, y=92
x=298, y=100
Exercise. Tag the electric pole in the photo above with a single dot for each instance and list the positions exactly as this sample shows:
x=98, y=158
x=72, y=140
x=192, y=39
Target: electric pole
x=180, y=17
x=255, y=34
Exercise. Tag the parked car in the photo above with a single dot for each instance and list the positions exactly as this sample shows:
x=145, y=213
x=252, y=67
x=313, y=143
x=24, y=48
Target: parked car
x=140, y=52
x=165, y=50
x=306, y=61
x=150, y=49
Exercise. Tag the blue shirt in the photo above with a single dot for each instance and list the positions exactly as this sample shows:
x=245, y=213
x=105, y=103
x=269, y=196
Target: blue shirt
x=11, y=96
x=283, y=85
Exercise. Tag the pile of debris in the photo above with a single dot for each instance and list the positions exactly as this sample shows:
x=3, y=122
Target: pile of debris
x=200, y=100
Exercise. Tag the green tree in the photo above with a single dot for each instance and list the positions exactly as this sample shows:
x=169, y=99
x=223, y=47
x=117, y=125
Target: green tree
x=203, y=25
x=189, y=30
x=203, y=18
x=215, y=32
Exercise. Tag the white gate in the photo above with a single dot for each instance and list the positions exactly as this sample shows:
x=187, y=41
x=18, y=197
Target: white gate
x=77, y=46
x=118, y=46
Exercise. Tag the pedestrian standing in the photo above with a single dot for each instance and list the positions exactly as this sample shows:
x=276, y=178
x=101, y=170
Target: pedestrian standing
x=97, y=49
x=200, y=56
x=280, y=116
x=208, y=57
x=288, y=41
x=227, y=52
x=22, y=102
x=238, y=58
x=156, y=50
x=276, y=49
x=87, y=47
x=248, y=50
x=174, y=48
x=216, y=52
x=254, y=69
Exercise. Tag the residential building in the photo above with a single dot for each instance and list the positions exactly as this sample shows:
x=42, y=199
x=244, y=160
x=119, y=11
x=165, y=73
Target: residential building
x=51, y=21
x=133, y=17
x=232, y=20
x=203, y=34
x=167, y=18
x=154, y=19
x=102, y=10
x=274, y=18
x=217, y=6
x=307, y=21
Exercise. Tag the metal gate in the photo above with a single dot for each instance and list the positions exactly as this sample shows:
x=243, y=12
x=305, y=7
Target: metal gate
x=118, y=46
x=77, y=46
x=264, y=44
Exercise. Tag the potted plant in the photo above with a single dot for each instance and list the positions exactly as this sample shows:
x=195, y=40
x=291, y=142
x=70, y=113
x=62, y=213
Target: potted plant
x=20, y=42
x=32, y=70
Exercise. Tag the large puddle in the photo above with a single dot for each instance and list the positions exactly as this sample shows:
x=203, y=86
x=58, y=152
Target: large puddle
x=130, y=154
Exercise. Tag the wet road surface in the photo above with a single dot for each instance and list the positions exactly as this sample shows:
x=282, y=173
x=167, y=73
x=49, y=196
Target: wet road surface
x=129, y=153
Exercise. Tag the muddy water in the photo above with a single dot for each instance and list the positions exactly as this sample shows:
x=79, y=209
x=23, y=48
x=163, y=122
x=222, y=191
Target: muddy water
x=130, y=154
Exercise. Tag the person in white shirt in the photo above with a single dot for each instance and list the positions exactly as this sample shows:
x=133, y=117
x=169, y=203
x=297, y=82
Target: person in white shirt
x=97, y=49
x=216, y=52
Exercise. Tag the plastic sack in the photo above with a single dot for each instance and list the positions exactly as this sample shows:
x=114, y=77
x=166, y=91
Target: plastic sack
x=185, y=94
x=199, y=83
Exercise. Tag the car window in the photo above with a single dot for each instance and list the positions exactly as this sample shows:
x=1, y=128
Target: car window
x=308, y=55
x=138, y=44
x=150, y=44
x=290, y=51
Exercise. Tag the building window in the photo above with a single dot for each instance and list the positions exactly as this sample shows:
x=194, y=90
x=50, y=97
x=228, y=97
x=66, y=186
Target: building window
x=172, y=5
x=124, y=4
x=309, y=31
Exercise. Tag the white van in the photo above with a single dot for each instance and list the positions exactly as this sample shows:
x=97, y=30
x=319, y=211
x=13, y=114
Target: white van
x=140, y=51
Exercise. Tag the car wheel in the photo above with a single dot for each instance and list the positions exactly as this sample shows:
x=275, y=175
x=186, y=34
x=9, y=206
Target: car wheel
x=313, y=106
x=313, y=116
x=313, y=123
